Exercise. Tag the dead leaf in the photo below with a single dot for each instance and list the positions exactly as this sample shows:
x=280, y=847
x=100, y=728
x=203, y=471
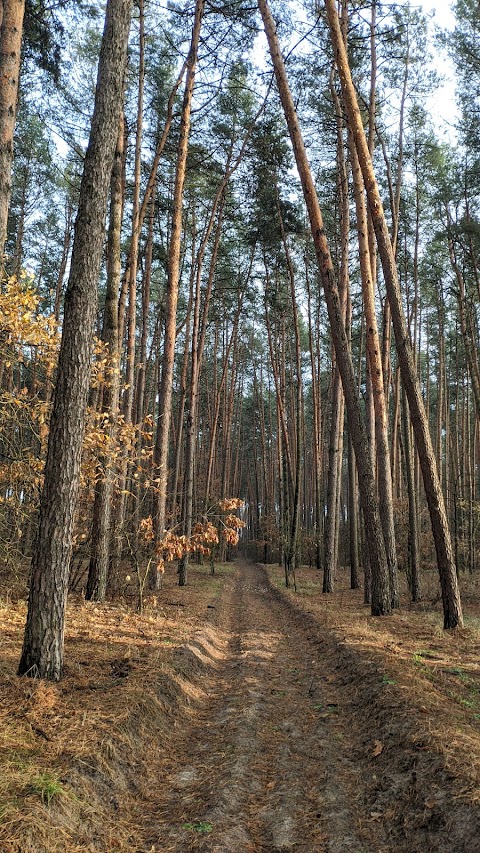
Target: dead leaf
x=378, y=748
x=431, y=803
x=271, y=785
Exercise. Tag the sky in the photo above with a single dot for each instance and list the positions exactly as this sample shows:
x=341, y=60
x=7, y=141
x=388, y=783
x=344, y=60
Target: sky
x=443, y=13
x=441, y=105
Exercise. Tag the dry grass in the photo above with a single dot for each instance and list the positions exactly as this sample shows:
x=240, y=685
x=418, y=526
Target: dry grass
x=79, y=759
x=75, y=757
x=407, y=661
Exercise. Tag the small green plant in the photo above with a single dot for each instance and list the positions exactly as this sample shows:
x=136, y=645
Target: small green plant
x=198, y=826
x=387, y=680
x=48, y=786
x=467, y=703
x=461, y=674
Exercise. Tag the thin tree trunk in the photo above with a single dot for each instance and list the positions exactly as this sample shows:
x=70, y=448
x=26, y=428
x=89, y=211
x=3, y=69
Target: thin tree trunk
x=11, y=26
x=353, y=520
x=286, y=451
x=465, y=326
x=452, y=608
x=166, y=385
x=132, y=271
x=139, y=400
x=139, y=411
x=380, y=591
x=413, y=537
x=329, y=557
x=183, y=395
x=335, y=450
x=102, y=507
x=198, y=342
x=131, y=279
x=218, y=398
x=67, y=239
x=152, y=178
x=384, y=474
x=293, y=532
x=317, y=442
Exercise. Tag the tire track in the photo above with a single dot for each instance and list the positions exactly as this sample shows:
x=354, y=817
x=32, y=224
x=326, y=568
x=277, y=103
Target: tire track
x=266, y=763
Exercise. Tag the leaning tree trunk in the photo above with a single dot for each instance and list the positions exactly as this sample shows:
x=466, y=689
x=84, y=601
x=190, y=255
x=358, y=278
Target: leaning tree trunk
x=384, y=474
x=335, y=450
x=452, y=608
x=380, y=585
x=11, y=25
x=42, y=654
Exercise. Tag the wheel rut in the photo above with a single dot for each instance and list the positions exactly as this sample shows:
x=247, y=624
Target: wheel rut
x=266, y=763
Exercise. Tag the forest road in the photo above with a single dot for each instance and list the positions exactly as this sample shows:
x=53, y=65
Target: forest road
x=266, y=763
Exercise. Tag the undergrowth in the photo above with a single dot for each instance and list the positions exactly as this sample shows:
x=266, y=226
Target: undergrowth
x=75, y=756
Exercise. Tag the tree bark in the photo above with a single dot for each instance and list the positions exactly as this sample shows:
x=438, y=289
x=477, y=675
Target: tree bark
x=335, y=449
x=198, y=342
x=135, y=236
x=384, y=474
x=413, y=539
x=380, y=586
x=130, y=286
x=452, y=608
x=10, y=43
x=218, y=393
x=166, y=386
x=290, y=557
x=42, y=654
x=102, y=507
x=317, y=428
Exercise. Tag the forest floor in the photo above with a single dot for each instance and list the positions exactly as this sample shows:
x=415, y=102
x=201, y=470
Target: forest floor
x=237, y=716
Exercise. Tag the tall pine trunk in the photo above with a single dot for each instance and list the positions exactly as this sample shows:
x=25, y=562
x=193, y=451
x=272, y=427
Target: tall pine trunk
x=380, y=585
x=100, y=552
x=11, y=24
x=384, y=474
x=452, y=608
x=166, y=384
x=42, y=653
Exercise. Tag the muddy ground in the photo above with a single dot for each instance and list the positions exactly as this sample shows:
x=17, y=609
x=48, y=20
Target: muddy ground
x=253, y=724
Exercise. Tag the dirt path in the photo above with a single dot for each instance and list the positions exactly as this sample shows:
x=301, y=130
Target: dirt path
x=267, y=763
x=237, y=717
